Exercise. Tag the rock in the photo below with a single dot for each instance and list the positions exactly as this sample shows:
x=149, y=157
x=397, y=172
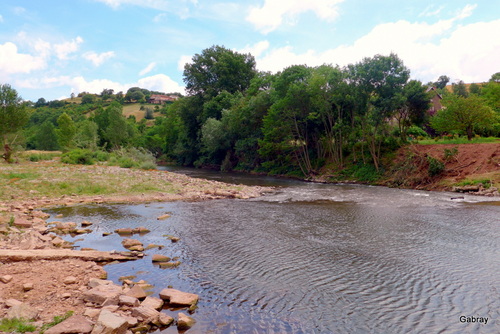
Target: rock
x=110, y=323
x=160, y=258
x=12, y=302
x=177, y=297
x=136, y=248
x=5, y=279
x=151, y=246
x=101, y=293
x=163, y=217
x=67, y=226
x=166, y=265
x=70, y=280
x=128, y=301
x=105, y=234
x=141, y=230
x=164, y=319
x=131, y=321
x=86, y=223
x=129, y=243
x=124, y=231
x=184, y=321
x=66, y=295
x=28, y=286
x=136, y=292
x=96, y=281
x=152, y=302
x=148, y=314
x=57, y=241
x=75, y=324
x=174, y=239
x=40, y=214
x=22, y=310
x=91, y=313
x=23, y=223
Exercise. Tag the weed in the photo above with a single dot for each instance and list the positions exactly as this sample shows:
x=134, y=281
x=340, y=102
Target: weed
x=16, y=325
x=450, y=153
x=461, y=140
x=12, y=220
x=57, y=320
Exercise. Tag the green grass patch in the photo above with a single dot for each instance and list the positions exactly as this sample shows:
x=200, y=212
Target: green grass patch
x=57, y=320
x=486, y=183
x=360, y=172
x=19, y=176
x=460, y=140
x=16, y=325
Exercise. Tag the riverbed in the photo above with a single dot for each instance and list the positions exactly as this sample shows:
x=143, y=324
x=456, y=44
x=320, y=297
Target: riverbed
x=317, y=258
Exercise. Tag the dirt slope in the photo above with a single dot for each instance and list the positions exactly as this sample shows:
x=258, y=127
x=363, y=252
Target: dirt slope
x=462, y=162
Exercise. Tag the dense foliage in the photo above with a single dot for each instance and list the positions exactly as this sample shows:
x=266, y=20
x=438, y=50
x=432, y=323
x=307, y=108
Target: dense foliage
x=294, y=122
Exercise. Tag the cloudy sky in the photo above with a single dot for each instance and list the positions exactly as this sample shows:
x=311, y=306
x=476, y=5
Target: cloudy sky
x=52, y=48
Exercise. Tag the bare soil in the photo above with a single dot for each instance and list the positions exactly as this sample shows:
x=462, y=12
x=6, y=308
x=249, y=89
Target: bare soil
x=471, y=162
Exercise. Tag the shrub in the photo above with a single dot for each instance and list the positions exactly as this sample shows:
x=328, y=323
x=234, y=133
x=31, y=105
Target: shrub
x=132, y=157
x=436, y=166
x=78, y=157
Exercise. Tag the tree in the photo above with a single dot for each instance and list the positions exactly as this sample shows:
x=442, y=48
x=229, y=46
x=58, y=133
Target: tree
x=86, y=136
x=464, y=115
x=495, y=77
x=460, y=89
x=414, y=109
x=46, y=137
x=217, y=69
x=88, y=99
x=13, y=116
x=442, y=81
x=66, y=132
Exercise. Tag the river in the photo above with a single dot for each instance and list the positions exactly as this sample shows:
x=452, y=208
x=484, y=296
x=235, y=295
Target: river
x=316, y=258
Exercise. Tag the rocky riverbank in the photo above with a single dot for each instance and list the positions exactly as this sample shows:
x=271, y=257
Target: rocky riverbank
x=42, y=277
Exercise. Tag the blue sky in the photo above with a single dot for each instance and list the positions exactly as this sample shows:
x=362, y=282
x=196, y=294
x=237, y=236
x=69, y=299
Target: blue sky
x=53, y=48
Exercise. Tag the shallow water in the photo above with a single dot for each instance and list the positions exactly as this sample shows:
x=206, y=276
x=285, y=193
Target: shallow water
x=315, y=258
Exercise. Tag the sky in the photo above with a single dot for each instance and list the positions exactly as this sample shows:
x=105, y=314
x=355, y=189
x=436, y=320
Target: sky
x=53, y=48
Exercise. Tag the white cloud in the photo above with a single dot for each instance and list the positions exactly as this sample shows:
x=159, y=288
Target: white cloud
x=1, y=18
x=64, y=49
x=271, y=15
x=183, y=61
x=465, y=52
x=431, y=11
x=159, y=17
x=178, y=7
x=466, y=11
x=148, y=68
x=160, y=82
x=257, y=49
x=19, y=10
x=98, y=58
x=14, y=62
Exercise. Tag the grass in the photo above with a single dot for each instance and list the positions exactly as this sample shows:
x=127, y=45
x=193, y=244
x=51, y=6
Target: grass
x=460, y=140
x=53, y=180
x=16, y=325
x=135, y=109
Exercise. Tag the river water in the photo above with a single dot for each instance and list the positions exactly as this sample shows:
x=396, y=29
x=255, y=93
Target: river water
x=316, y=258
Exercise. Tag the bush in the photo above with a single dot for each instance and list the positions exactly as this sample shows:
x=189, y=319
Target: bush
x=78, y=157
x=436, y=166
x=132, y=157
x=450, y=153
x=16, y=325
x=83, y=157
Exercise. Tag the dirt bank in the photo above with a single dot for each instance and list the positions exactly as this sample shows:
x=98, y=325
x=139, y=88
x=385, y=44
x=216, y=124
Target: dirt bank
x=452, y=166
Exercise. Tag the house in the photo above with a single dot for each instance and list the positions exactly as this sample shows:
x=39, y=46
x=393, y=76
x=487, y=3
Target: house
x=161, y=99
x=435, y=100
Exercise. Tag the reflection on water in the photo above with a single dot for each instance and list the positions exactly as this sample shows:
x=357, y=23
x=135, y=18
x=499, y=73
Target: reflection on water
x=320, y=259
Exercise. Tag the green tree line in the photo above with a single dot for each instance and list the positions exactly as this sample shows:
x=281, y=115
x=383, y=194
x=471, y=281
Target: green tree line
x=292, y=122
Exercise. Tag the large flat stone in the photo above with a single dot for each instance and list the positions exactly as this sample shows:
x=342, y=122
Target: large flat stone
x=153, y=302
x=178, y=297
x=101, y=293
x=73, y=325
x=110, y=323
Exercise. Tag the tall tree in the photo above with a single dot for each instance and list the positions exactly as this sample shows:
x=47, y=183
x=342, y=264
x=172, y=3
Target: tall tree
x=463, y=115
x=13, y=115
x=442, y=81
x=217, y=69
x=66, y=132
